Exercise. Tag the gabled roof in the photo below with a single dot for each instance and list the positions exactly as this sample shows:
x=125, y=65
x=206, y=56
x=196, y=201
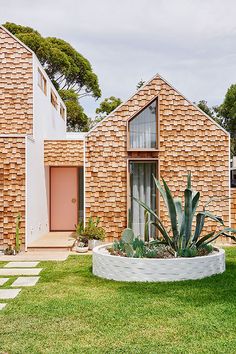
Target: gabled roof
x=16, y=39
x=146, y=84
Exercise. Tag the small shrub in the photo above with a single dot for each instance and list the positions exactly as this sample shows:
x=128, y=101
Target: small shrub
x=91, y=231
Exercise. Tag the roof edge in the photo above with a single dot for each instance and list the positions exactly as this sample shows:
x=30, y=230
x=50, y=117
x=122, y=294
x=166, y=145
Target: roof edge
x=141, y=88
x=194, y=105
x=122, y=104
x=14, y=37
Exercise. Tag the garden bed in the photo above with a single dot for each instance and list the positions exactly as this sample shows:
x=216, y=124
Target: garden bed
x=156, y=270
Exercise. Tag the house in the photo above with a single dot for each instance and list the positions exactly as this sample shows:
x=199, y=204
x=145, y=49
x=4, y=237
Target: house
x=54, y=178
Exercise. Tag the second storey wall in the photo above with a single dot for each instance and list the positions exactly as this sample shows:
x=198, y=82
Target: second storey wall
x=16, y=87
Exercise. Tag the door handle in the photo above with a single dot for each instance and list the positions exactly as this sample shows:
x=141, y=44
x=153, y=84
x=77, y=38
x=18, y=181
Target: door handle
x=73, y=200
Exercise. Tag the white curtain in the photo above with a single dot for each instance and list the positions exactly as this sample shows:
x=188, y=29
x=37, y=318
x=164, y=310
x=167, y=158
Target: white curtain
x=142, y=187
x=143, y=129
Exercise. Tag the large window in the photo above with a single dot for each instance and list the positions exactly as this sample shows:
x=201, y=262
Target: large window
x=143, y=129
x=142, y=187
x=42, y=82
x=54, y=99
x=233, y=178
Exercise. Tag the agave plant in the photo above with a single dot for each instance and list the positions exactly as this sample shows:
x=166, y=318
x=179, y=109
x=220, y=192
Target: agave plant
x=183, y=235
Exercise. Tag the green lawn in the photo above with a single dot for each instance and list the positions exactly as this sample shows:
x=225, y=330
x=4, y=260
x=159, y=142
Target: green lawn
x=71, y=311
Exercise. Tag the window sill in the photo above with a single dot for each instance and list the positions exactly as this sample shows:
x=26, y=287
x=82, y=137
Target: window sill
x=142, y=150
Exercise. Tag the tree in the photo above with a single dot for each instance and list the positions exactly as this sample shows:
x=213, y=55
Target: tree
x=67, y=69
x=78, y=120
x=227, y=113
x=140, y=84
x=227, y=110
x=107, y=106
x=202, y=104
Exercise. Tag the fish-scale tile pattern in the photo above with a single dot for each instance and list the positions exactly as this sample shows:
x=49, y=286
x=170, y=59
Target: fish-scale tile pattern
x=64, y=152
x=12, y=189
x=16, y=86
x=189, y=141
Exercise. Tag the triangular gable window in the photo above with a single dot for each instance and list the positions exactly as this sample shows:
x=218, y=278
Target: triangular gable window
x=143, y=129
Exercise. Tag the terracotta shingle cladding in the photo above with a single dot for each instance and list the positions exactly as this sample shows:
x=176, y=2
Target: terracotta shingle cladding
x=188, y=141
x=12, y=189
x=16, y=87
x=64, y=152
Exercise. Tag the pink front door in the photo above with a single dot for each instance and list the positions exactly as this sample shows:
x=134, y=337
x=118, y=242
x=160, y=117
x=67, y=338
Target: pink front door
x=63, y=198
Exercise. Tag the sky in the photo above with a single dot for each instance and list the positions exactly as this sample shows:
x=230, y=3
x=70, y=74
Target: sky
x=191, y=43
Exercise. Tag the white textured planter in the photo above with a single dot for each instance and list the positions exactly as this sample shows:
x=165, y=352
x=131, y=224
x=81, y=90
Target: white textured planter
x=155, y=269
x=93, y=243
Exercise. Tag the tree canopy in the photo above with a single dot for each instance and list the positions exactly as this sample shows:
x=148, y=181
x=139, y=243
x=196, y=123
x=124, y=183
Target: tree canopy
x=67, y=69
x=205, y=108
x=227, y=110
x=107, y=106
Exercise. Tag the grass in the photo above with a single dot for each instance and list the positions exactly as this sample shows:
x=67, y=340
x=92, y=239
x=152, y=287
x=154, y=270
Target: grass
x=72, y=311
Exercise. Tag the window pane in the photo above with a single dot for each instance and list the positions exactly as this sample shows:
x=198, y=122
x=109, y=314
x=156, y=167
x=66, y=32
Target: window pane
x=143, y=129
x=143, y=188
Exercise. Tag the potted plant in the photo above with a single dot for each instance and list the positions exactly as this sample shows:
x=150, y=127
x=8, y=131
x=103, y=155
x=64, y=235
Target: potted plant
x=10, y=251
x=81, y=245
x=93, y=232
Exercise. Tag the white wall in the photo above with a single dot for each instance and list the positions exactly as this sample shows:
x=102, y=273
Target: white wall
x=47, y=124
x=37, y=222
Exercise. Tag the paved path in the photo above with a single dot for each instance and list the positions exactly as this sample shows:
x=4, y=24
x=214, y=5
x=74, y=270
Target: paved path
x=19, y=271
x=21, y=264
x=3, y=281
x=16, y=268
x=25, y=281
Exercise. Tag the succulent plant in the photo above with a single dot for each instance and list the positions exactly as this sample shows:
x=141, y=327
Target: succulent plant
x=185, y=239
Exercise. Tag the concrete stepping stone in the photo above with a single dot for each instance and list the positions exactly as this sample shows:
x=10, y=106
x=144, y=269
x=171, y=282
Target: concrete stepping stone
x=9, y=293
x=19, y=271
x=2, y=306
x=21, y=264
x=3, y=280
x=25, y=281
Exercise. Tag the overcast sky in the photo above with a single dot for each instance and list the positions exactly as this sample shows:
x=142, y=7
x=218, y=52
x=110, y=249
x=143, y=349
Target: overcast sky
x=191, y=43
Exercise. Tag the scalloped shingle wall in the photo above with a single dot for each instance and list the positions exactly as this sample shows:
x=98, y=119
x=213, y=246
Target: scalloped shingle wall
x=16, y=87
x=12, y=189
x=188, y=141
x=64, y=152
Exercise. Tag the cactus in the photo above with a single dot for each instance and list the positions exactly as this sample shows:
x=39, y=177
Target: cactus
x=18, y=223
x=146, y=226
x=127, y=236
x=129, y=219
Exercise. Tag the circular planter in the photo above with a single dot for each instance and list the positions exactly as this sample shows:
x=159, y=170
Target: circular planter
x=156, y=269
x=93, y=243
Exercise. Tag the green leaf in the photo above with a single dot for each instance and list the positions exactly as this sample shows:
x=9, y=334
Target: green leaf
x=172, y=212
x=200, y=219
x=187, y=216
x=127, y=235
x=165, y=235
x=160, y=189
x=159, y=224
x=222, y=232
x=213, y=217
x=205, y=238
x=178, y=207
x=195, y=202
x=189, y=182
